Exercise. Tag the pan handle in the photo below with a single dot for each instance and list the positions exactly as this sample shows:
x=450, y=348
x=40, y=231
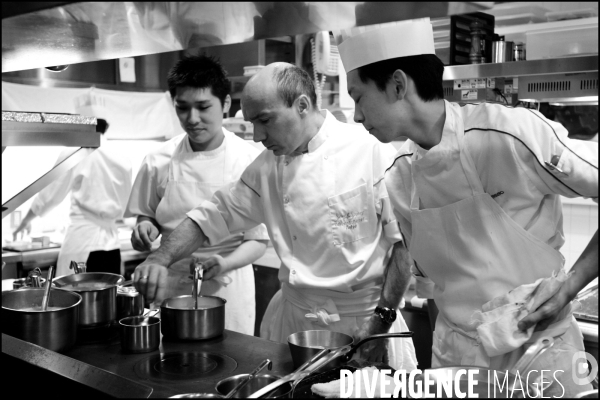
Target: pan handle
x=378, y=336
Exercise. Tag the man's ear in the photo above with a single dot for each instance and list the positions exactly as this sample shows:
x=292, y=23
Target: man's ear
x=303, y=104
x=399, y=84
x=226, y=104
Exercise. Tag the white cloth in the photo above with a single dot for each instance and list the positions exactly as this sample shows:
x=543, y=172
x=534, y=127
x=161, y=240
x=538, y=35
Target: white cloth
x=471, y=245
x=99, y=187
x=171, y=182
x=326, y=211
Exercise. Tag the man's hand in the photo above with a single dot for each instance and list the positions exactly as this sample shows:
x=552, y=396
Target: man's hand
x=26, y=227
x=153, y=282
x=214, y=266
x=374, y=350
x=143, y=235
x=547, y=312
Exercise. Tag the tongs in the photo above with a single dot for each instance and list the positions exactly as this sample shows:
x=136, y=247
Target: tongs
x=322, y=358
x=197, y=283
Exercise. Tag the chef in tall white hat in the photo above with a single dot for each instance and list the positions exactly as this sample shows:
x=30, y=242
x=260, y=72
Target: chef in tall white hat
x=476, y=190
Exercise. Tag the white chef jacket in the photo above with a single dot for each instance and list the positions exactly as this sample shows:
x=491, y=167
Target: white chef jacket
x=151, y=183
x=300, y=200
x=509, y=147
x=99, y=187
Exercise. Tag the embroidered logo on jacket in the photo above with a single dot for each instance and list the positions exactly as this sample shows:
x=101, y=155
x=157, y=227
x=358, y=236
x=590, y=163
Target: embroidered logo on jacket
x=350, y=219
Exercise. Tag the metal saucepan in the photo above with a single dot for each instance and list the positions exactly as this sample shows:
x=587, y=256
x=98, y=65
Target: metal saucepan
x=181, y=320
x=224, y=386
x=488, y=380
x=54, y=329
x=130, y=302
x=303, y=345
x=140, y=334
x=322, y=359
x=99, y=293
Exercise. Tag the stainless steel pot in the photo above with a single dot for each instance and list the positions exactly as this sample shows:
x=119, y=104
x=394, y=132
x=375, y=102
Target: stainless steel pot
x=305, y=344
x=54, y=329
x=99, y=293
x=180, y=320
x=225, y=386
x=130, y=302
x=140, y=334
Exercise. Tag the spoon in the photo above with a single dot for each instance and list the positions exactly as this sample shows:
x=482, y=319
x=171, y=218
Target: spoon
x=197, y=283
x=46, y=297
x=256, y=371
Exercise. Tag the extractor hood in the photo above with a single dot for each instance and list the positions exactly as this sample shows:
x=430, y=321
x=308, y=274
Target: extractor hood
x=77, y=132
x=35, y=36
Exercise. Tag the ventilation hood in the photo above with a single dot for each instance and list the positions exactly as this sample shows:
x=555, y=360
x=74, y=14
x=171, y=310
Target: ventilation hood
x=36, y=35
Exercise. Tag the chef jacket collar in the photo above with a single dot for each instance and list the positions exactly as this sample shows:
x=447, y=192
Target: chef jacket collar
x=323, y=132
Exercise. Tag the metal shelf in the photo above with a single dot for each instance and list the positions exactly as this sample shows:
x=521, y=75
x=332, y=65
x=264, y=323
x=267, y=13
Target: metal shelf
x=579, y=64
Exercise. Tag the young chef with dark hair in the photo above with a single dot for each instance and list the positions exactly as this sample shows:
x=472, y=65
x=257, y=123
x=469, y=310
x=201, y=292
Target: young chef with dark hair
x=318, y=188
x=476, y=190
x=187, y=170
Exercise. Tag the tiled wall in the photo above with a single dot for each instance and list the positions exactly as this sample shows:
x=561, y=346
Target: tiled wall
x=579, y=224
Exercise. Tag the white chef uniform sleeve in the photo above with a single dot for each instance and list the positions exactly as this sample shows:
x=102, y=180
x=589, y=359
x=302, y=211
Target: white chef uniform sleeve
x=144, y=197
x=53, y=194
x=235, y=207
x=383, y=156
x=576, y=161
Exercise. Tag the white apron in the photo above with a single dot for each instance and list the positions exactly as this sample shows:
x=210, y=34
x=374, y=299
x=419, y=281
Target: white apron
x=473, y=251
x=293, y=310
x=81, y=233
x=188, y=185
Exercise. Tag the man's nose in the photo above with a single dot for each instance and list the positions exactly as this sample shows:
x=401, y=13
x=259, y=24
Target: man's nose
x=358, y=117
x=193, y=117
x=259, y=134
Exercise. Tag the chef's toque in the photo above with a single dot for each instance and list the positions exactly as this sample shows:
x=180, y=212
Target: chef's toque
x=369, y=44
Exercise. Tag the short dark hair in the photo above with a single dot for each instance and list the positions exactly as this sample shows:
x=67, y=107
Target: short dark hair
x=293, y=81
x=200, y=71
x=426, y=70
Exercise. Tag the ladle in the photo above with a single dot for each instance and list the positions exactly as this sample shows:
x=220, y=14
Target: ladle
x=197, y=283
x=239, y=386
x=46, y=297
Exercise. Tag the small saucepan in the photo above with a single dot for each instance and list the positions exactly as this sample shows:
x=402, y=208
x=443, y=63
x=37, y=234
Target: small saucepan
x=140, y=334
x=183, y=321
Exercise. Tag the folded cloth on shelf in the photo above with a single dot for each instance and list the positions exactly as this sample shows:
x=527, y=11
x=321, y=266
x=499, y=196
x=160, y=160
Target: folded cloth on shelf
x=497, y=320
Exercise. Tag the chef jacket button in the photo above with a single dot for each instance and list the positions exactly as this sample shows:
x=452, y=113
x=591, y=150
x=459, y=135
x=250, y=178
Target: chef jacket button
x=294, y=237
x=286, y=163
x=286, y=199
x=293, y=272
x=335, y=243
x=325, y=157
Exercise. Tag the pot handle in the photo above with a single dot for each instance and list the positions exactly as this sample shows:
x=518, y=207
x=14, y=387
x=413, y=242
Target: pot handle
x=532, y=353
x=378, y=336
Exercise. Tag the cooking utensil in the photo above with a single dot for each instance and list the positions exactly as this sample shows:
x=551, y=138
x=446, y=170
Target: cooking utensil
x=197, y=283
x=130, y=302
x=54, y=329
x=304, y=370
x=99, y=293
x=197, y=396
x=78, y=267
x=305, y=344
x=46, y=297
x=140, y=334
x=488, y=380
x=253, y=385
x=242, y=380
x=182, y=320
x=341, y=355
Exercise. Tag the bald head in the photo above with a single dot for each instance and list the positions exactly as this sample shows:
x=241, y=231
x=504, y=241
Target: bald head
x=280, y=81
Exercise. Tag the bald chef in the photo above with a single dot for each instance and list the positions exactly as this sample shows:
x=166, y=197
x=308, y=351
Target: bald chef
x=318, y=188
x=476, y=190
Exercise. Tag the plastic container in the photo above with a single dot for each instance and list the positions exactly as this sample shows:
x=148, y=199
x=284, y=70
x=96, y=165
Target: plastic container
x=565, y=42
